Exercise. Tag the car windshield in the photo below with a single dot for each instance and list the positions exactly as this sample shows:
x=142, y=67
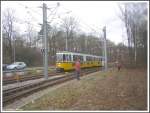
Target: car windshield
x=16, y=63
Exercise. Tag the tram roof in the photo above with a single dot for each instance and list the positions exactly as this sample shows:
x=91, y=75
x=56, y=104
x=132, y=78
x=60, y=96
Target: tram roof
x=68, y=52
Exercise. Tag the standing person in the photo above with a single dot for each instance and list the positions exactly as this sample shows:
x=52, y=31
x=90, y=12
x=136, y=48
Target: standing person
x=77, y=69
x=119, y=66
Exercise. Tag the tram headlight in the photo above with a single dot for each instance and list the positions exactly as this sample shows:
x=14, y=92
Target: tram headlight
x=58, y=64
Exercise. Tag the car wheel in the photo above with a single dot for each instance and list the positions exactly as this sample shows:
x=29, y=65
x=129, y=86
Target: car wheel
x=15, y=68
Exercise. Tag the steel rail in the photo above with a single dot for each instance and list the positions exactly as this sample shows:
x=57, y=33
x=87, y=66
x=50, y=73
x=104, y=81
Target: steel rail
x=15, y=93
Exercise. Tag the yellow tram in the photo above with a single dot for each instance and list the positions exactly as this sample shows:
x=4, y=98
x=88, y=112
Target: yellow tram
x=65, y=60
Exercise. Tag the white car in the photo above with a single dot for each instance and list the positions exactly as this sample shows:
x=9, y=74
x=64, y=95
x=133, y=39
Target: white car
x=17, y=65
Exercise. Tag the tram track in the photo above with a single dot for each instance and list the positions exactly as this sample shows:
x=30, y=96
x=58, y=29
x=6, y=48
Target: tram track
x=10, y=95
x=11, y=80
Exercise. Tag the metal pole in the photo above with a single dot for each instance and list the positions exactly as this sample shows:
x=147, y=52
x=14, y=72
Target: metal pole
x=105, y=48
x=14, y=50
x=45, y=41
x=67, y=42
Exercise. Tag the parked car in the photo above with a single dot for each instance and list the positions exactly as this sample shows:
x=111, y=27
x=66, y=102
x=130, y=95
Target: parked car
x=17, y=65
x=5, y=67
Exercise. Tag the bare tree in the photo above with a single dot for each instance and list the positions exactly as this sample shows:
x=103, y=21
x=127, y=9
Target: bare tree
x=52, y=44
x=8, y=30
x=133, y=15
x=69, y=25
x=31, y=35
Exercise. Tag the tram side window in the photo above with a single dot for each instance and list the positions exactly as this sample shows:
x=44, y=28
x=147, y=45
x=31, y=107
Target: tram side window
x=100, y=59
x=81, y=58
x=59, y=57
x=75, y=57
x=92, y=59
x=68, y=57
x=64, y=57
x=88, y=58
x=96, y=59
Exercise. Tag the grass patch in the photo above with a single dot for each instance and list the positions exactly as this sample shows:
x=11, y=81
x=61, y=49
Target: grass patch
x=100, y=91
x=32, y=72
x=38, y=71
x=61, y=98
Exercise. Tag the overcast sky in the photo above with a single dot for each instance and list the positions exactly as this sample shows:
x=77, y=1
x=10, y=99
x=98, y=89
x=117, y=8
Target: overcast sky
x=90, y=14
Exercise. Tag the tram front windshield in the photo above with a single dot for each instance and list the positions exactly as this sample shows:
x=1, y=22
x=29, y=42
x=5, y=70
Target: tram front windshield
x=63, y=57
x=59, y=57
